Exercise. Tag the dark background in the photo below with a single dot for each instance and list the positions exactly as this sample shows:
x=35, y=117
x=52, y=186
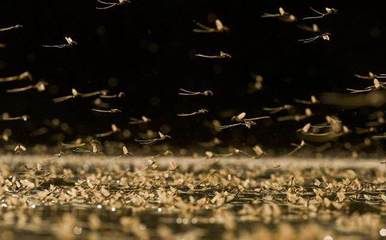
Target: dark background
x=146, y=49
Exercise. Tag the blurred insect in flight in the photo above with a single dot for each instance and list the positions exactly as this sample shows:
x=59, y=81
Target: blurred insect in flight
x=324, y=36
x=19, y=77
x=39, y=86
x=328, y=11
x=7, y=117
x=112, y=110
x=106, y=96
x=136, y=121
x=108, y=5
x=5, y=29
x=274, y=110
x=313, y=28
x=221, y=55
x=281, y=15
x=370, y=76
x=219, y=28
x=114, y=129
x=69, y=43
x=313, y=100
x=184, y=92
x=161, y=137
x=198, y=112
x=242, y=121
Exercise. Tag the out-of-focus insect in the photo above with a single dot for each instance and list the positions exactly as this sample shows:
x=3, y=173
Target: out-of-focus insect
x=69, y=43
x=14, y=27
x=258, y=151
x=184, y=92
x=112, y=110
x=377, y=85
x=107, y=5
x=161, y=137
x=328, y=11
x=19, y=148
x=2, y=45
x=219, y=28
x=136, y=121
x=39, y=86
x=281, y=15
x=19, y=77
x=242, y=121
x=106, y=96
x=221, y=55
x=7, y=117
x=297, y=117
x=297, y=147
x=370, y=76
x=114, y=129
x=75, y=94
x=274, y=110
x=199, y=111
x=313, y=100
x=324, y=36
x=313, y=28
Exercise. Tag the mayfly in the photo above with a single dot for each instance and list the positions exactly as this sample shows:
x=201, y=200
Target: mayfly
x=107, y=5
x=7, y=117
x=106, y=96
x=297, y=147
x=184, y=92
x=39, y=86
x=324, y=36
x=219, y=28
x=370, y=76
x=114, y=129
x=274, y=110
x=161, y=137
x=14, y=27
x=328, y=11
x=142, y=120
x=221, y=55
x=281, y=15
x=313, y=28
x=198, y=112
x=297, y=117
x=19, y=77
x=242, y=121
x=75, y=94
x=377, y=85
x=69, y=43
x=313, y=100
x=112, y=110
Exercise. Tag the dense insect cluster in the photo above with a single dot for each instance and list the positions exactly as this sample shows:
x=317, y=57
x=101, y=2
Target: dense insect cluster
x=83, y=197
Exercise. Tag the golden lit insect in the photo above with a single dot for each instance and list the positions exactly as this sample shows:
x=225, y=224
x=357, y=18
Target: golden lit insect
x=142, y=120
x=219, y=28
x=69, y=43
x=76, y=94
x=19, y=148
x=242, y=121
x=370, y=76
x=14, y=27
x=114, y=129
x=8, y=117
x=221, y=55
x=161, y=137
x=377, y=85
x=39, y=86
x=313, y=100
x=324, y=36
x=313, y=28
x=198, y=112
x=281, y=15
x=297, y=117
x=184, y=92
x=20, y=77
x=327, y=12
x=104, y=95
x=107, y=5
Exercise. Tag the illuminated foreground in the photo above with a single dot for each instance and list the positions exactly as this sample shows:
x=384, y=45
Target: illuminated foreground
x=83, y=197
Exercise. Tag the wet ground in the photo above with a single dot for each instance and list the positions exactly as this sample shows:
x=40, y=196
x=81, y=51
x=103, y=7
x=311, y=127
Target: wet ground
x=88, y=197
